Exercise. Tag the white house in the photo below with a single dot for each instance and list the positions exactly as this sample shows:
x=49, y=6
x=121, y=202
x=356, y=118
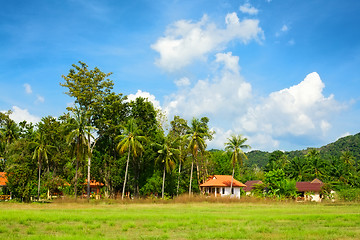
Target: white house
x=220, y=185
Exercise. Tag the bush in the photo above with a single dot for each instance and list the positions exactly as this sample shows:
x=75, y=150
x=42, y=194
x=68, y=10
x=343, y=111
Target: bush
x=349, y=194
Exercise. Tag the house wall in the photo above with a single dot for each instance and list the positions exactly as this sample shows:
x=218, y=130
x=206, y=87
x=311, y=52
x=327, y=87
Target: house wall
x=226, y=190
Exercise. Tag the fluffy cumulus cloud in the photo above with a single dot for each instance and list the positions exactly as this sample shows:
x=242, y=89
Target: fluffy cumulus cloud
x=301, y=110
x=186, y=41
x=225, y=94
x=247, y=8
x=182, y=82
x=19, y=115
x=151, y=98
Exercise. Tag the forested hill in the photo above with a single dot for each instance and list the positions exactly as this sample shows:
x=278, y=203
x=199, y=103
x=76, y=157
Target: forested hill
x=349, y=143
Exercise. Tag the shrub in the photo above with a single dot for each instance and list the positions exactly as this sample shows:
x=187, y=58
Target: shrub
x=349, y=194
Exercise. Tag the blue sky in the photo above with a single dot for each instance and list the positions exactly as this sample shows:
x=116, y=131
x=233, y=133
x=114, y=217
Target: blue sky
x=283, y=73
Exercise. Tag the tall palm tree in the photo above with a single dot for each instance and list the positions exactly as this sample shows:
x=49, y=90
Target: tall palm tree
x=78, y=138
x=168, y=155
x=235, y=145
x=131, y=141
x=196, y=143
x=10, y=131
x=42, y=149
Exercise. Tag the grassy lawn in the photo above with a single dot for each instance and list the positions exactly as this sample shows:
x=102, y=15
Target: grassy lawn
x=180, y=221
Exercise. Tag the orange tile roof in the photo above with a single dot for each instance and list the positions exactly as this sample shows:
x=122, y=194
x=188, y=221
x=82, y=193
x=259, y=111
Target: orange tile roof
x=94, y=183
x=222, y=181
x=3, y=179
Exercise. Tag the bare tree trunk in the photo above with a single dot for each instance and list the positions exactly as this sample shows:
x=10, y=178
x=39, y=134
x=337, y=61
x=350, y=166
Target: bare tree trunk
x=232, y=179
x=178, y=184
x=191, y=173
x=77, y=167
x=163, y=183
x=126, y=172
x=39, y=180
x=88, y=178
x=198, y=173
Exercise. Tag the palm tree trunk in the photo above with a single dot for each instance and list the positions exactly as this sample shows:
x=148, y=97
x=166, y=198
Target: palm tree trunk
x=191, y=173
x=126, y=172
x=232, y=179
x=198, y=173
x=178, y=183
x=38, y=197
x=88, y=178
x=163, y=183
x=77, y=167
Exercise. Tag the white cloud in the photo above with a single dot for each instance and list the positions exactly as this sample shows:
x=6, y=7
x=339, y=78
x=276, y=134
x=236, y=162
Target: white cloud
x=40, y=99
x=182, y=82
x=301, y=110
x=19, y=115
x=151, y=98
x=224, y=95
x=186, y=41
x=247, y=8
x=27, y=87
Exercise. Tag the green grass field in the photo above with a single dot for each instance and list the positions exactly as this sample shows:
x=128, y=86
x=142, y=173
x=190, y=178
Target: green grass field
x=197, y=220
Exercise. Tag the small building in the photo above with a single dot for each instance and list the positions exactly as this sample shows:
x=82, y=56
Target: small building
x=4, y=192
x=95, y=188
x=220, y=185
x=250, y=185
x=310, y=191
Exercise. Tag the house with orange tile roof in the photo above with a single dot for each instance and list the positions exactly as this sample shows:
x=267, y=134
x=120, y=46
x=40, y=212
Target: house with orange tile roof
x=220, y=185
x=3, y=187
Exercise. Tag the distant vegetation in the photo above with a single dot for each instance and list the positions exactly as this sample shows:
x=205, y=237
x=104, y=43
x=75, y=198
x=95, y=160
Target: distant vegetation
x=129, y=148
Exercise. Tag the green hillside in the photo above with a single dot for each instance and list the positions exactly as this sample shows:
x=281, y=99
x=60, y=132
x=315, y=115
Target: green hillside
x=349, y=143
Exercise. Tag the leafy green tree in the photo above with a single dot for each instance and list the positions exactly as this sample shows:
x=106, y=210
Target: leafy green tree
x=9, y=130
x=41, y=151
x=21, y=170
x=277, y=159
x=178, y=130
x=279, y=185
x=78, y=138
x=235, y=145
x=131, y=141
x=88, y=87
x=196, y=143
x=168, y=156
x=318, y=165
x=298, y=168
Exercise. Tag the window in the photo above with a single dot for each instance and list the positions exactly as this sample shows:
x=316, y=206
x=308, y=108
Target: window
x=223, y=190
x=232, y=190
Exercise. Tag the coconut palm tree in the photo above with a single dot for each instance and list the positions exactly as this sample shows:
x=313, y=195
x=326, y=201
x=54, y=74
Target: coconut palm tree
x=41, y=151
x=131, y=141
x=168, y=155
x=234, y=146
x=196, y=143
x=78, y=137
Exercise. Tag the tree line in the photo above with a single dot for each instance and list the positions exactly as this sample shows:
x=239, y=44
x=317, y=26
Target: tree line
x=125, y=146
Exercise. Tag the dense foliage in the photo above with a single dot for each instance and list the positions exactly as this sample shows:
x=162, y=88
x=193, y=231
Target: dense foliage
x=123, y=144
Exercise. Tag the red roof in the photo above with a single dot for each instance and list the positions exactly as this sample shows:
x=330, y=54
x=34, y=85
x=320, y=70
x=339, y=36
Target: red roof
x=222, y=181
x=3, y=179
x=250, y=185
x=313, y=186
